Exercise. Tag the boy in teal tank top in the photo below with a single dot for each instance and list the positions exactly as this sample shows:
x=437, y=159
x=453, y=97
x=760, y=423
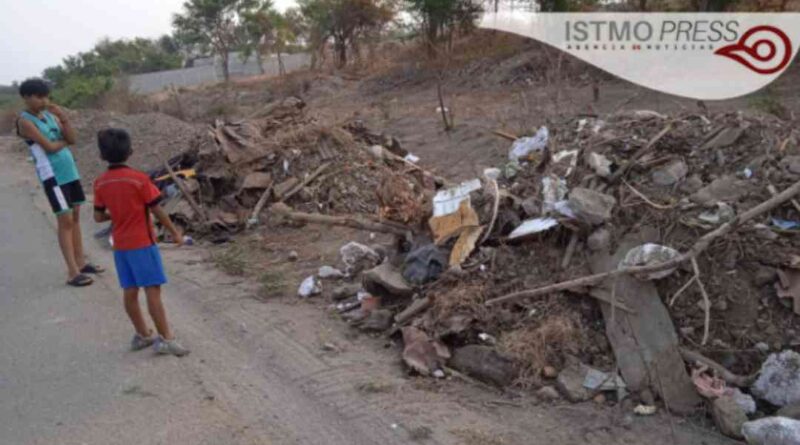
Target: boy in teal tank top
x=47, y=131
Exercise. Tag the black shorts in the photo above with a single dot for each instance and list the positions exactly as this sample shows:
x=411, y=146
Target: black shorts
x=64, y=197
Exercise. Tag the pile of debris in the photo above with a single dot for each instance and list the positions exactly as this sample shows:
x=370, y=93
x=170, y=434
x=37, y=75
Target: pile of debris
x=640, y=258
x=282, y=155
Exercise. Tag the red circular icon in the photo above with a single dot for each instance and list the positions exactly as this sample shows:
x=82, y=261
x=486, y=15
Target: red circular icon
x=762, y=50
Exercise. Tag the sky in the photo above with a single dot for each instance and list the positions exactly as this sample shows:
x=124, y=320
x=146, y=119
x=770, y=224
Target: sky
x=36, y=34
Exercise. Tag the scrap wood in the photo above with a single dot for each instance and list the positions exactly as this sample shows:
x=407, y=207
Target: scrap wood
x=573, y=243
x=415, y=308
x=639, y=153
x=347, y=221
x=436, y=178
x=259, y=206
x=699, y=246
x=321, y=169
x=505, y=135
x=644, y=344
x=236, y=137
x=729, y=377
x=773, y=191
x=185, y=192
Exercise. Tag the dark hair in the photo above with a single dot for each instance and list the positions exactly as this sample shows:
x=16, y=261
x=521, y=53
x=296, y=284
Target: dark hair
x=115, y=145
x=34, y=87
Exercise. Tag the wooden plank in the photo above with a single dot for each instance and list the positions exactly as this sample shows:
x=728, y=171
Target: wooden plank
x=644, y=342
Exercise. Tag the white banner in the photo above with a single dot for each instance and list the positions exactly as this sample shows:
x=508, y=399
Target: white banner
x=697, y=55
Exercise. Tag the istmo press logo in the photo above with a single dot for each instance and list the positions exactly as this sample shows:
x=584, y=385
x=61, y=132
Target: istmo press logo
x=698, y=55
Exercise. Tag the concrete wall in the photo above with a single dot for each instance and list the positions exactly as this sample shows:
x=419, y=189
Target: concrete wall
x=209, y=70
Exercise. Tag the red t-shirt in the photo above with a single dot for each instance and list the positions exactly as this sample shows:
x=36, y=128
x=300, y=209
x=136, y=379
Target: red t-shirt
x=127, y=195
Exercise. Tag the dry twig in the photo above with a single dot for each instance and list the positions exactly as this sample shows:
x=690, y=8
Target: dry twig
x=646, y=199
x=495, y=210
x=706, y=301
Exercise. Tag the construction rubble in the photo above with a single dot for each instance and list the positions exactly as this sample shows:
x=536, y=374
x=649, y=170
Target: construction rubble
x=636, y=259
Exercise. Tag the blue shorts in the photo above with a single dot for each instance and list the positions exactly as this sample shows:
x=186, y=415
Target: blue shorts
x=139, y=267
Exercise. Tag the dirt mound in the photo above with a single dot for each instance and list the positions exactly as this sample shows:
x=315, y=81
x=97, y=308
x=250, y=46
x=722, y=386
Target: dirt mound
x=156, y=137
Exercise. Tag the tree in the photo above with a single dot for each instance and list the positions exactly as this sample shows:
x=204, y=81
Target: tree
x=257, y=30
x=439, y=19
x=84, y=77
x=344, y=21
x=214, y=24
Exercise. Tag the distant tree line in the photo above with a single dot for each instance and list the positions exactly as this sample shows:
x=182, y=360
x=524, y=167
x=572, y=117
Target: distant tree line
x=254, y=28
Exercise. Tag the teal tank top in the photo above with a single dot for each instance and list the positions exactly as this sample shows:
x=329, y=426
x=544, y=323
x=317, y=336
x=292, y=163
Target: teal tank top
x=59, y=165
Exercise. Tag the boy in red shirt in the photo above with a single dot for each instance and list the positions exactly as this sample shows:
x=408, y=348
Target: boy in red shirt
x=127, y=197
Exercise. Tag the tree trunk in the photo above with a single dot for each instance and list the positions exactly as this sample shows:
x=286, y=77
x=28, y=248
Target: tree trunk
x=341, y=51
x=281, y=68
x=260, y=62
x=225, y=66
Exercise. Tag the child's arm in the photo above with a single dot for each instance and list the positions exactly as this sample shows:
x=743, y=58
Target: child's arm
x=70, y=135
x=165, y=221
x=28, y=130
x=101, y=216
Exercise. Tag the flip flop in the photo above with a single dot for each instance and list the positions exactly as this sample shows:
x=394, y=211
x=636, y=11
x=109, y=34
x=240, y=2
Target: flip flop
x=80, y=281
x=90, y=268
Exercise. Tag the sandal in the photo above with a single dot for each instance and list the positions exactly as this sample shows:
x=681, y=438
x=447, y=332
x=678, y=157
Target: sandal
x=90, y=268
x=80, y=281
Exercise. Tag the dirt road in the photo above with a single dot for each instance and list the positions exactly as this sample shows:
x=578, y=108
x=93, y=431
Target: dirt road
x=258, y=373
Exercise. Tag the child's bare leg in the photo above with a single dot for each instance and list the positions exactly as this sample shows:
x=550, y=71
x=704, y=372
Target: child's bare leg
x=77, y=238
x=131, y=297
x=157, y=311
x=66, y=240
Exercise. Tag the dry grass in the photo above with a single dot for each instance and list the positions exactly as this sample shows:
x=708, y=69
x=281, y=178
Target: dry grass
x=463, y=299
x=272, y=284
x=230, y=260
x=540, y=345
x=475, y=437
x=374, y=387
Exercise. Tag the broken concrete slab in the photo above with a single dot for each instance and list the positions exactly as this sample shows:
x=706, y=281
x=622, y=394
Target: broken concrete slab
x=485, y=364
x=570, y=383
x=772, y=431
x=728, y=416
x=420, y=353
x=358, y=257
x=644, y=342
x=725, y=189
x=591, y=206
x=670, y=174
x=386, y=281
x=779, y=380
